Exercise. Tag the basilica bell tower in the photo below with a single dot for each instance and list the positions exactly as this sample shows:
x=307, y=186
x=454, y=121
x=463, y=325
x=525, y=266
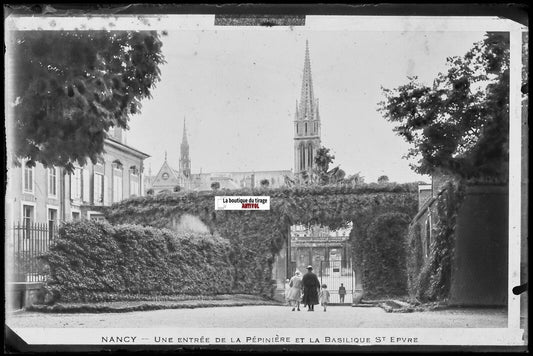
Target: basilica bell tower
x=306, y=123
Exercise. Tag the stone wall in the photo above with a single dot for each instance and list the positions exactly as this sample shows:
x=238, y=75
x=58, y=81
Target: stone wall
x=480, y=264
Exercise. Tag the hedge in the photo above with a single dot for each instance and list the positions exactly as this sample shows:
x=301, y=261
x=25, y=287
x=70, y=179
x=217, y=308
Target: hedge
x=95, y=261
x=331, y=206
x=256, y=237
x=381, y=256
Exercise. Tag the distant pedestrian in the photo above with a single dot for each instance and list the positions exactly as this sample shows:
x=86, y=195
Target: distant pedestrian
x=324, y=296
x=311, y=286
x=342, y=293
x=295, y=291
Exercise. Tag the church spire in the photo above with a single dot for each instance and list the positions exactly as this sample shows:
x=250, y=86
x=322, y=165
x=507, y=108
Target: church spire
x=184, y=138
x=307, y=98
x=185, y=161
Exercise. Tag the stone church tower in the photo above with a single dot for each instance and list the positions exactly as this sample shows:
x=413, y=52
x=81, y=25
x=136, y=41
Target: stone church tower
x=306, y=123
x=185, y=161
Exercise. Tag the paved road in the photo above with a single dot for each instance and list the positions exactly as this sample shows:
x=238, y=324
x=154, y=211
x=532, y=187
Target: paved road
x=267, y=317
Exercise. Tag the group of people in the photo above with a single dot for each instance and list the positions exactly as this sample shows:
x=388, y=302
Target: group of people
x=309, y=285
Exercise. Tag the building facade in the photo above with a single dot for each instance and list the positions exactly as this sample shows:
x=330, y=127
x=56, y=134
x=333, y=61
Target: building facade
x=168, y=179
x=314, y=245
x=51, y=195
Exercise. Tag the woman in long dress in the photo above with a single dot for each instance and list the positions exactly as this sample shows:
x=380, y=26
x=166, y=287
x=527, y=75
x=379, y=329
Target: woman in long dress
x=295, y=293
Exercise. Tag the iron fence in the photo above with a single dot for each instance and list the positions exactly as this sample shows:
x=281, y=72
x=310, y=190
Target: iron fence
x=29, y=242
x=333, y=274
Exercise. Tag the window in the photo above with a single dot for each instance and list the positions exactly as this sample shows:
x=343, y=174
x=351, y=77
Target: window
x=28, y=179
x=117, y=185
x=75, y=215
x=96, y=217
x=302, y=157
x=27, y=214
x=86, y=183
x=52, y=215
x=52, y=222
x=134, y=184
x=75, y=184
x=98, y=188
x=99, y=167
x=52, y=182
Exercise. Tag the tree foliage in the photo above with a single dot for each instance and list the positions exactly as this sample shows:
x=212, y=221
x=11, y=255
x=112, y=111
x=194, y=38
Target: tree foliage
x=320, y=174
x=322, y=159
x=383, y=179
x=354, y=179
x=70, y=87
x=460, y=124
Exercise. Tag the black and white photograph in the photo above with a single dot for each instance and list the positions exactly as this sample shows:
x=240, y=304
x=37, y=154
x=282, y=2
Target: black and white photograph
x=242, y=181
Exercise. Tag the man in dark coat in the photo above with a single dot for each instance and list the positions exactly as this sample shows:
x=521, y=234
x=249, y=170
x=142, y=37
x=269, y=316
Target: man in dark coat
x=311, y=286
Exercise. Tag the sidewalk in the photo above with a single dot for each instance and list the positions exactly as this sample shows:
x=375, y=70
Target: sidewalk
x=228, y=300
x=264, y=316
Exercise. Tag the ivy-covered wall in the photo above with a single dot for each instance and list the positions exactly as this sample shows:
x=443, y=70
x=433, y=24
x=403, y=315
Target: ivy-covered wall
x=467, y=261
x=430, y=277
x=94, y=261
x=256, y=237
x=414, y=257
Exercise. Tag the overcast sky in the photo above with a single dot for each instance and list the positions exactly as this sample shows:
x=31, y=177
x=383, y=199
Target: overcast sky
x=237, y=90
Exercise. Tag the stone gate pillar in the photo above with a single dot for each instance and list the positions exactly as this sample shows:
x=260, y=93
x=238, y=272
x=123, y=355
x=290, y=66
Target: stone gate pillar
x=280, y=271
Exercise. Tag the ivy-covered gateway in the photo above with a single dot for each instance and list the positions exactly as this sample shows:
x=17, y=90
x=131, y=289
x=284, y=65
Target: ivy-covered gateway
x=256, y=237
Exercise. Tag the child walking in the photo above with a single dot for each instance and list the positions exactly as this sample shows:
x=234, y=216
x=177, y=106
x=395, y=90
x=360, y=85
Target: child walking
x=324, y=296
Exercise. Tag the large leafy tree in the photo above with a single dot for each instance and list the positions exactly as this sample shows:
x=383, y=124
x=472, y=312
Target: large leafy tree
x=460, y=124
x=323, y=158
x=70, y=87
x=322, y=174
x=383, y=179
